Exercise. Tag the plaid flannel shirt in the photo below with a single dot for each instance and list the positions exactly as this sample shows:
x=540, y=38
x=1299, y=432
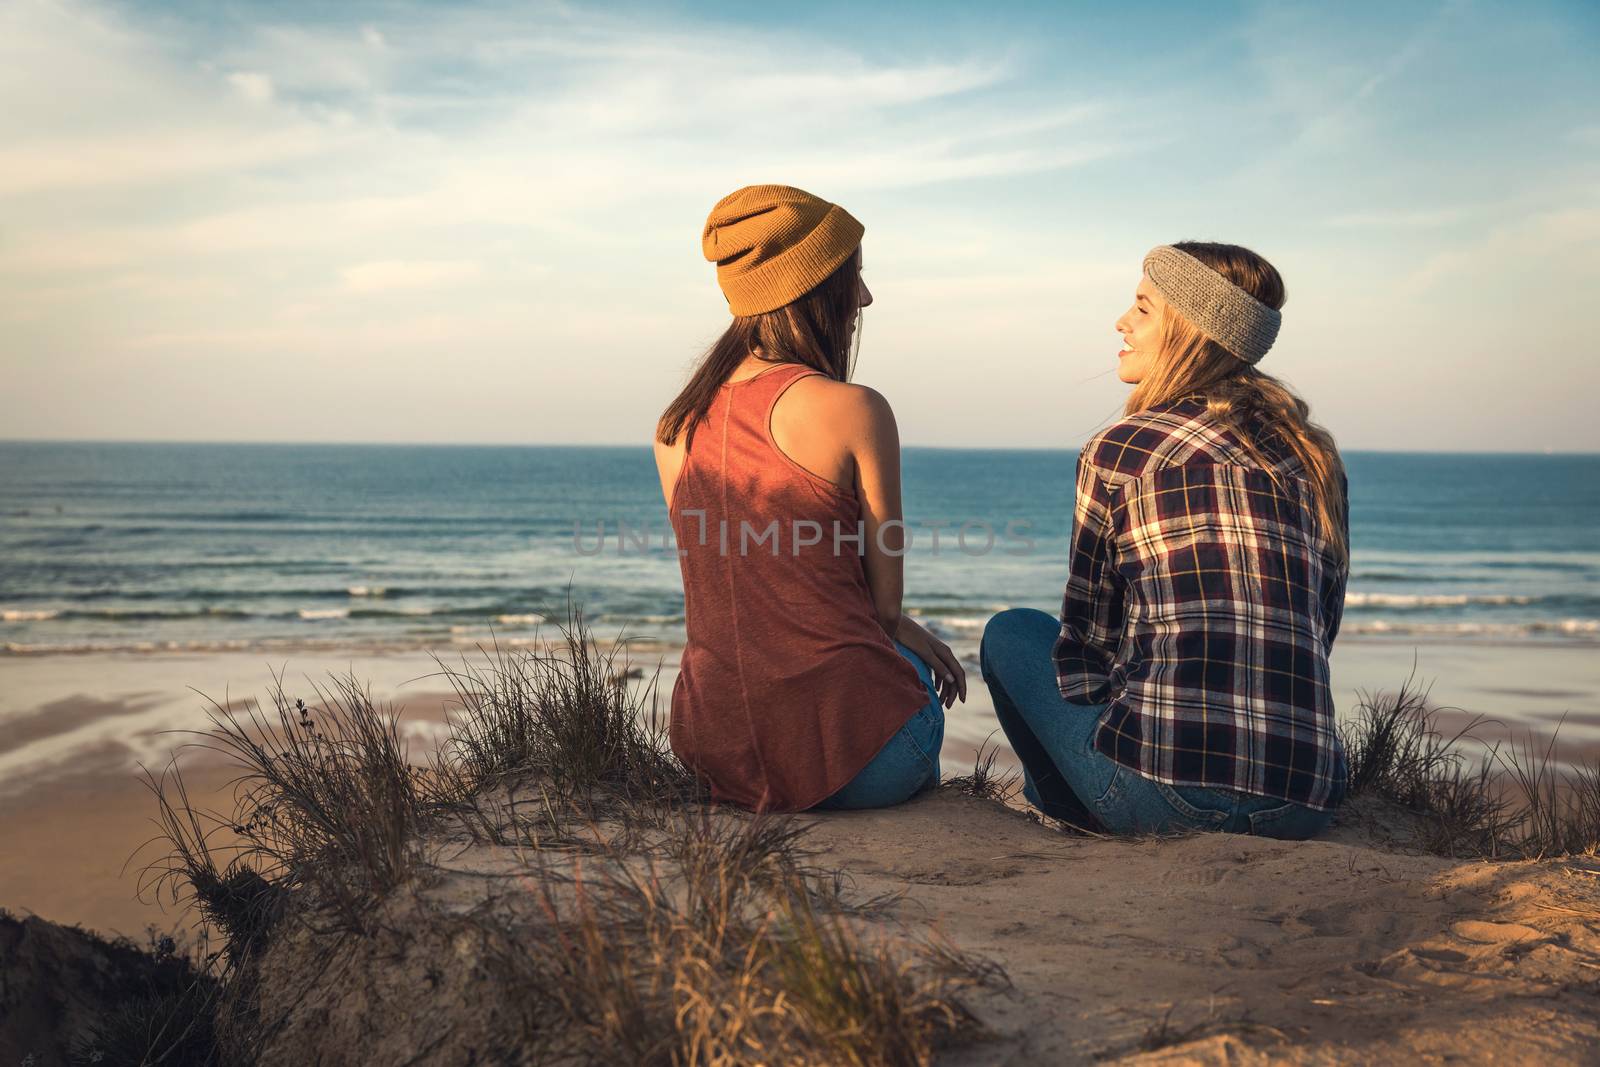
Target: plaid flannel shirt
x=1201, y=607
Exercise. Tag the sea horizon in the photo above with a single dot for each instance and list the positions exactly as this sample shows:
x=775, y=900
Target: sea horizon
x=645, y=445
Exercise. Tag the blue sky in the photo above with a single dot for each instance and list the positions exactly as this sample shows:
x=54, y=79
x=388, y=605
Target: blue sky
x=480, y=223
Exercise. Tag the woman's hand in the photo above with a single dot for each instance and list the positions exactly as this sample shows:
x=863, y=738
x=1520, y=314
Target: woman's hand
x=948, y=674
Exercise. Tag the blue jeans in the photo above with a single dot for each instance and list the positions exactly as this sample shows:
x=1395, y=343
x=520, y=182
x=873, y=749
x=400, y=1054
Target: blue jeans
x=907, y=764
x=1067, y=778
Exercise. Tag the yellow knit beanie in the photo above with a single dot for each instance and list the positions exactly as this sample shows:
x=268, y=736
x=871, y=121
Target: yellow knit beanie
x=773, y=244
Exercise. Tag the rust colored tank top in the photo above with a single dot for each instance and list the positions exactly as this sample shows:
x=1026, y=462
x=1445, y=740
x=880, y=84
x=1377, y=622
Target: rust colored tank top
x=788, y=685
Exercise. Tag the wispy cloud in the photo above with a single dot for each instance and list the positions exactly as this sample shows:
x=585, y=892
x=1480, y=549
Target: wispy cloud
x=544, y=119
x=300, y=199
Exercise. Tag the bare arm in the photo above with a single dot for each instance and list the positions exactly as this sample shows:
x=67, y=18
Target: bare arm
x=874, y=443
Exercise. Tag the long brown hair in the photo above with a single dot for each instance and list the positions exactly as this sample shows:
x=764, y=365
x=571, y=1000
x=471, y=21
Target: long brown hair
x=814, y=330
x=1242, y=397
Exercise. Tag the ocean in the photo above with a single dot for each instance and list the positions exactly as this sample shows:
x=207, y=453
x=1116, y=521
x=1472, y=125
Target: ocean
x=196, y=547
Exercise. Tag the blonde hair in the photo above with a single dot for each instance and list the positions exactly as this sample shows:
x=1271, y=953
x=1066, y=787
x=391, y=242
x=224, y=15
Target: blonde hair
x=1241, y=397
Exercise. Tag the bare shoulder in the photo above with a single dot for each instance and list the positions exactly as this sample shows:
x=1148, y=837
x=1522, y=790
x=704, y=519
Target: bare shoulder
x=668, y=455
x=853, y=410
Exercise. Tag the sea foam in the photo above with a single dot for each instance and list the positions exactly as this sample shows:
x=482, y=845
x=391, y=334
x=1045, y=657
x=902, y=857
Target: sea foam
x=1430, y=600
x=26, y=615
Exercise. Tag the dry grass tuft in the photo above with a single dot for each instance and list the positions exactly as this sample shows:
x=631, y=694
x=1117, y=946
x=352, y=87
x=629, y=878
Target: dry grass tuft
x=719, y=951
x=984, y=783
x=1396, y=752
x=231, y=897
x=1558, y=809
x=563, y=713
x=327, y=801
x=1508, y=803
x=868, y=1001
x=326, y=821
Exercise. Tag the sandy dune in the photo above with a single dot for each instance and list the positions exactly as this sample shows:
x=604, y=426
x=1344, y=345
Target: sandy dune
x=1208, y=949
x=1305, y=952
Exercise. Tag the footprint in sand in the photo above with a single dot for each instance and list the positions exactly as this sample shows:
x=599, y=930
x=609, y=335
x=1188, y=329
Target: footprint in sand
x=1487, y=933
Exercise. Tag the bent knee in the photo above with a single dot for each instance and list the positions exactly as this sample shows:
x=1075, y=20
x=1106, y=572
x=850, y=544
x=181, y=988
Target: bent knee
x=1014, y=622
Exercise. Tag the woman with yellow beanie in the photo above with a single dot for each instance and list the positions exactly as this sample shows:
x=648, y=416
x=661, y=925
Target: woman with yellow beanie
x=802, y=684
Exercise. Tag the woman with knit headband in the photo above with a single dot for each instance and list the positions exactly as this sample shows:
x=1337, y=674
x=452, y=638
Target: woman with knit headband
x=1185, y=685
x=802, y=685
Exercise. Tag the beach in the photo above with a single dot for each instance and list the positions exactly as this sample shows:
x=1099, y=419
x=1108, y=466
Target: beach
x=74, y=730
x=1356, y=947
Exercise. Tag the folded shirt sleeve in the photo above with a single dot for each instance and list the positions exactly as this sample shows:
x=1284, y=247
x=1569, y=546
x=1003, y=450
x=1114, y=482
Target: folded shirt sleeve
x=1092, y=608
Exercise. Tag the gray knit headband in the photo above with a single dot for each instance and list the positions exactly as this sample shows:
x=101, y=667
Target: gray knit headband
x=1219, y=309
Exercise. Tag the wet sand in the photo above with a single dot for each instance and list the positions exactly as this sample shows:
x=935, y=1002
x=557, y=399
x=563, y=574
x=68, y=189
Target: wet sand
x=77, y=816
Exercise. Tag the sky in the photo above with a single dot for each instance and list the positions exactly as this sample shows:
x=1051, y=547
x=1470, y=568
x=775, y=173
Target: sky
x=480, y=223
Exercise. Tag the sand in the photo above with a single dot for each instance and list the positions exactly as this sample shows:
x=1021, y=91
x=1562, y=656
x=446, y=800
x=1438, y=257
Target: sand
x=1221, y=949
x=72, y=850
x=1205, y=949
x=1316, y=951
x=1217, y=948
x=73, y=730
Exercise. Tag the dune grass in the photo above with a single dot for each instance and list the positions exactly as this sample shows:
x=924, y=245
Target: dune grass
x=325, y=803
x=1470, y=797
x=717, y=949
x=564, y=715
x=669, y=931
